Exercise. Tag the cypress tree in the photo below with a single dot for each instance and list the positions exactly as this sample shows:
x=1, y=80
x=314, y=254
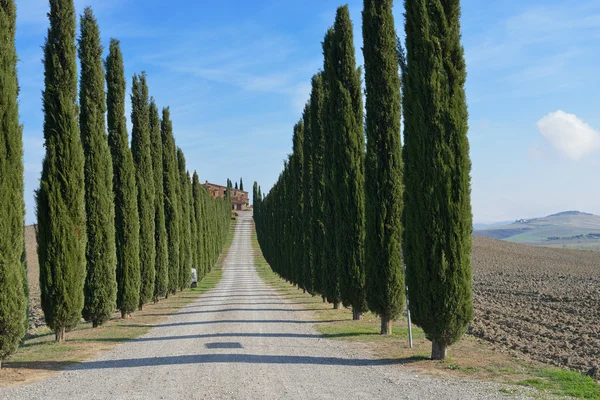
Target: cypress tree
x=346, y=117
x=185, y=244
x=61, y=234
x=331, y=276
x=142, y=158
x=198, y=245
x=192, y=222
x=100, y=290
x=127, y=222
x=241, y=184
x=384, y=187
x=13, y=300
x=438, y=220
x=318, y=177
x=236, y=185
x=161, y=265
x=307, y=187
x=296, y=188
x=171, y=184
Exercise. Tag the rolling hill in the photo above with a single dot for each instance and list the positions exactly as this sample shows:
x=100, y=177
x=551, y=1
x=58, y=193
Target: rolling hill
x=570, y=229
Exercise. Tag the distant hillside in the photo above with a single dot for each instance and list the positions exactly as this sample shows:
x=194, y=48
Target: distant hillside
x=572, y=229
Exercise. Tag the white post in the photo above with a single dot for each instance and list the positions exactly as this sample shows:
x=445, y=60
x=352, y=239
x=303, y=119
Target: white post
x=410, y=341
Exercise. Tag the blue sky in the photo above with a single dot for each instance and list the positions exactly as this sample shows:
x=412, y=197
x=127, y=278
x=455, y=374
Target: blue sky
x=236, y=75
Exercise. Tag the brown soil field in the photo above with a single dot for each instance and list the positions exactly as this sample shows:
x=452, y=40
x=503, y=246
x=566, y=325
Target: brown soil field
x=534, y=301
x=541, y=302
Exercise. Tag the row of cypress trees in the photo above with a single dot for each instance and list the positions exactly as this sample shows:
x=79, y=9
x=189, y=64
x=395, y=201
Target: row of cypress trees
x=345, y=215
x=118, y=227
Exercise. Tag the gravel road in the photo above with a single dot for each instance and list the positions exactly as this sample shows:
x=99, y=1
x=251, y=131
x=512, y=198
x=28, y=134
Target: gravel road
x=243, y=341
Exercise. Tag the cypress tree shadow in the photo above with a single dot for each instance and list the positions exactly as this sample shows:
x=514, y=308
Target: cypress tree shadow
x=212, y=358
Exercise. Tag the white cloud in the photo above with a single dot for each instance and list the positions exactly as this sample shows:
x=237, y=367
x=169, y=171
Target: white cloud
x=569, y=134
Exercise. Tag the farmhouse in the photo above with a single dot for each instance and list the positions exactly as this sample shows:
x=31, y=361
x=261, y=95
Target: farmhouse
x=239, y=198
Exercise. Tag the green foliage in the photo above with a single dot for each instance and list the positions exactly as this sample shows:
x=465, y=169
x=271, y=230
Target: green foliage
x=437, y=218
x=13, y=298
x=61, y=233
x=171, y=185
x=100, y=290
x=383, y=165
x=161, y=266
x=241, y=184
x=142, y=158
x=127, y=223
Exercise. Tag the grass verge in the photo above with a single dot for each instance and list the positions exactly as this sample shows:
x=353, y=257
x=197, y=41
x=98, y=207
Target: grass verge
x=470, y=358
x=39, y=356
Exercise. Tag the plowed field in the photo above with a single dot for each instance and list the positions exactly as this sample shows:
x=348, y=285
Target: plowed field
x=542, y=302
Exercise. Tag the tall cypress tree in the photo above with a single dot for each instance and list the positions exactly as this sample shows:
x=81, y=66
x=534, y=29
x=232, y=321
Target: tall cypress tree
x=438, y=219
x=193, y=226
x=185, y=253
x=384, y=187
x=61, y=234
x=331, y=274
x=161, y=266
x=127, y=222
x=142, y=158
x=318, y=177
x=296, y=187
x=346, y=108
x=171, y=184
x=307, y=187
x=101, y=259
x=13, y=302
x=198, y=246
x=241, y=184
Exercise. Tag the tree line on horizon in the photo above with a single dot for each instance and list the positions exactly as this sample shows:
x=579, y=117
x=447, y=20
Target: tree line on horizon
x=118, y=226
x=354, y=203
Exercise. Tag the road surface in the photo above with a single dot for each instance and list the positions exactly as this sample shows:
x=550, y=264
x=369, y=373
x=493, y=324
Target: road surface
x=243, y=341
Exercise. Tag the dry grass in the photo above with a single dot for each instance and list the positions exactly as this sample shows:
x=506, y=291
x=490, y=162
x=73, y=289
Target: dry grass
x=40, y=357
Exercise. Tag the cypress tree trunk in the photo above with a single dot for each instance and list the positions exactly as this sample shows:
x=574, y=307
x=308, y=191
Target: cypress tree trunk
x=13, y=300
x=438, y=350
x=383, y=165
x=61, y=234
x=127, y=223
x=346, y=107
x=438, y=220
x=160, y=233
x=101, y=282
x=59, y=335
x=142, y=158
x=386, y=325
x=171, y=184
